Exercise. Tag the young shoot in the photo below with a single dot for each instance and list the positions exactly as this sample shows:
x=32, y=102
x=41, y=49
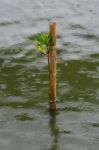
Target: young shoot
x=43, y=41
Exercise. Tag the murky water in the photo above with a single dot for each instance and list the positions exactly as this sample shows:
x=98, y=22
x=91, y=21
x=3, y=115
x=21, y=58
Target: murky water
x=25, y=120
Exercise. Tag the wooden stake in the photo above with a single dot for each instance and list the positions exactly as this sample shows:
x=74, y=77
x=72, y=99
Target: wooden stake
x=52, y=67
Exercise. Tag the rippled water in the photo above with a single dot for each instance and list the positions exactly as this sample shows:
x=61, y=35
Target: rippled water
x=25, y=120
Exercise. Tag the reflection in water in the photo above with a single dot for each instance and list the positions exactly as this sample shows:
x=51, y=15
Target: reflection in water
x=54, y=131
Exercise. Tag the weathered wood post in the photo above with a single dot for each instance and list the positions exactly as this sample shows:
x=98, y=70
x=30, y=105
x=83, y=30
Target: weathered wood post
x=52, y=67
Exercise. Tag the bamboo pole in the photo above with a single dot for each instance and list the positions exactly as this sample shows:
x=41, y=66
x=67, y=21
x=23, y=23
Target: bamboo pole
x=52, y=67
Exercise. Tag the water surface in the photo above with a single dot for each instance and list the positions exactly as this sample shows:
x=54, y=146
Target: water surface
x=25, y=120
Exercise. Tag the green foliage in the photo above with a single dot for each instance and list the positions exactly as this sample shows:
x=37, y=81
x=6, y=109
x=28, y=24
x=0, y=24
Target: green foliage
x=43, y=41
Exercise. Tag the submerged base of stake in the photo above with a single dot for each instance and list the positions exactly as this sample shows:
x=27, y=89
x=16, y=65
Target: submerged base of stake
x=52, y=67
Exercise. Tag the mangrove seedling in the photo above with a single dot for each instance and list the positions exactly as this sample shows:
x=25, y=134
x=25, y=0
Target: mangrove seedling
x=46, y=43
x=43, y=41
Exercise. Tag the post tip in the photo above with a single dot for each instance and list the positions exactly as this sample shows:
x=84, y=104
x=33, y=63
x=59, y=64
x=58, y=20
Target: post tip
x=52, y=22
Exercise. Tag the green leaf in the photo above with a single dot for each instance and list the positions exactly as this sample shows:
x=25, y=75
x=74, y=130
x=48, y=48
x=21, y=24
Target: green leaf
x=43, y=41
x=41, y=49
